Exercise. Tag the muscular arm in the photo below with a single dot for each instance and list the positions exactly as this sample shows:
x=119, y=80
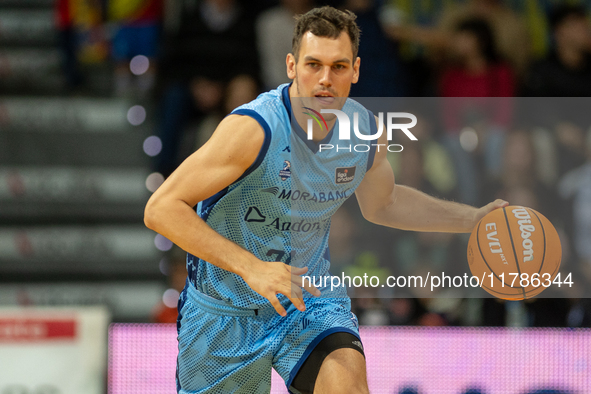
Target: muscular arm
x=222, y=160
x=385, y=203
x=231, y=150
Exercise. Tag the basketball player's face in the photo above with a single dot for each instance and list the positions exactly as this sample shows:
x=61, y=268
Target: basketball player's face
x=324, y=71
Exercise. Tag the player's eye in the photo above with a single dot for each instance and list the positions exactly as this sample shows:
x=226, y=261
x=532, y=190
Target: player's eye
x=339, y=67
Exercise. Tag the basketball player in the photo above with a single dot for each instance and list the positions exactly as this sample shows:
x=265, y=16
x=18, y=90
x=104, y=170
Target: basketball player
x=242, y=310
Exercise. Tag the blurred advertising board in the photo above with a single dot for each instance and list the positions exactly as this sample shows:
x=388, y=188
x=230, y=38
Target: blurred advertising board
x=106, y=249
x=426, y=360
x=51, y=350
x=126, y=301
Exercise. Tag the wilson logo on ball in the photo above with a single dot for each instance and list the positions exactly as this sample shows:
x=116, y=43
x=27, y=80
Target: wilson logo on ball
x=526, y=229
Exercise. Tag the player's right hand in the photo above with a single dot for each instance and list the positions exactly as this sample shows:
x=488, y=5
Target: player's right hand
x=271, y=278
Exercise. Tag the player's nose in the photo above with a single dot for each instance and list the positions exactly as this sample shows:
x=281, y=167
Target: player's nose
x=325, y=78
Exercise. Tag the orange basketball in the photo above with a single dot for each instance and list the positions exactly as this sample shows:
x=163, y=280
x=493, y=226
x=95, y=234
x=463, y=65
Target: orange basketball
x=515, y=252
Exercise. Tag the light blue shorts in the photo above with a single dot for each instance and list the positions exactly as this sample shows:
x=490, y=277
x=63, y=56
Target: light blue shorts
x=224, y=349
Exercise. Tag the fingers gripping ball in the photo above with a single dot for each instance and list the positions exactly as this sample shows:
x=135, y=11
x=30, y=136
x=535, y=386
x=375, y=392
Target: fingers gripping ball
x=519, y=247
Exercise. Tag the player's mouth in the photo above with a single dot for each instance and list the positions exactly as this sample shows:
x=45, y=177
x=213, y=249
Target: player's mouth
x=325, y=98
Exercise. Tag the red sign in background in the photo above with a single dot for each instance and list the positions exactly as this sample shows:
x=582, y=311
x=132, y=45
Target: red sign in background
x=12, y=330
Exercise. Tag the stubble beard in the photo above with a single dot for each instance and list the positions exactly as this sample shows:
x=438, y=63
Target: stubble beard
x=328, y=117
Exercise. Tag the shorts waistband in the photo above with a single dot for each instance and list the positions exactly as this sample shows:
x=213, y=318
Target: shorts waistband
x=219, y=307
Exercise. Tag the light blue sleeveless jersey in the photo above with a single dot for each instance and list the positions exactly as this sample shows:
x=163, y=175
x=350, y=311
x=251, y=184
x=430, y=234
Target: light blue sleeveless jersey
x=280, y=208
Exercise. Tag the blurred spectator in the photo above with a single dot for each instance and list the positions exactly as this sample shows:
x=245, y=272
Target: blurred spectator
x=415, y=249
x=402, y=311
x=576, y=187
x=241, y=89
x=432, y=319
x=579, y=314
x=535, y=17
x=548, y=312
x=427, y=166
x=508, y=29
x=366, y=263
x=274, y=29
x=520, y=182
x=211, y=58
x=138, y=26
x=477, y=72
x=566, y=72
x=441, y=311
x=434, y=172
x=215, y=41
x=570, y=139
x=371, y=311
x=493, y=312
x=410, y=170
x=91, y=38
x=383, y=74
x=64, y=19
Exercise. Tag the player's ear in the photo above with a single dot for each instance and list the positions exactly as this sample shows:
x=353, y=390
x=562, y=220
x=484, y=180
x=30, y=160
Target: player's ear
x=356, y=65
x=290, y=61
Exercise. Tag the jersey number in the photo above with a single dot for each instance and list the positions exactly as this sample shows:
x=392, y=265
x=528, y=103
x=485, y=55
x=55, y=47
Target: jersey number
x=280, y=254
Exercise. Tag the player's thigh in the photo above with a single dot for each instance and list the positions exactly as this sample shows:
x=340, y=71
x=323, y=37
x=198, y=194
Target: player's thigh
x=221, y=354
x=342, y=371
x=307, y=338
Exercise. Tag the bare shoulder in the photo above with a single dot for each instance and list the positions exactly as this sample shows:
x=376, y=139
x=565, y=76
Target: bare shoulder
x=237, y=141
x=231, y=150
x=237, y=131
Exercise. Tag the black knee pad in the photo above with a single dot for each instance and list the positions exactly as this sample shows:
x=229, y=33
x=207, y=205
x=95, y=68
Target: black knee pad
x=304, y=381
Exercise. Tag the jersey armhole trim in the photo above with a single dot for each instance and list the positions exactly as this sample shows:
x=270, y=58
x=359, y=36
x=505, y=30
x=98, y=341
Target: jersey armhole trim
x=262, y=153
x=374, y=130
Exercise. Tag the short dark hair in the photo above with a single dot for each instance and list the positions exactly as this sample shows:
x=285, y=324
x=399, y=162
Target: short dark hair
x=326, y=22
x=485, y=36
x=560, y=13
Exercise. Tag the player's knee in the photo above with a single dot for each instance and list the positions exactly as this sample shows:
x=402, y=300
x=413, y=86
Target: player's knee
x=343, y=371
x=357, y=387
x=343, y=387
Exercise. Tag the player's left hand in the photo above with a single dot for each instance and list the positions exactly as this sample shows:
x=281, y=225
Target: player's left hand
x=482, y=212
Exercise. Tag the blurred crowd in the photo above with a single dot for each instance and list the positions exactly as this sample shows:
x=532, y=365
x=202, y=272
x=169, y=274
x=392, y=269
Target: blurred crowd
x=515, y=76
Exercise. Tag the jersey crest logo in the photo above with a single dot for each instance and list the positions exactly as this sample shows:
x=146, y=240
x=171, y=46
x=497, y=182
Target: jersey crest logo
x=344, y=174
x=286, y=172
x=254, y=215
